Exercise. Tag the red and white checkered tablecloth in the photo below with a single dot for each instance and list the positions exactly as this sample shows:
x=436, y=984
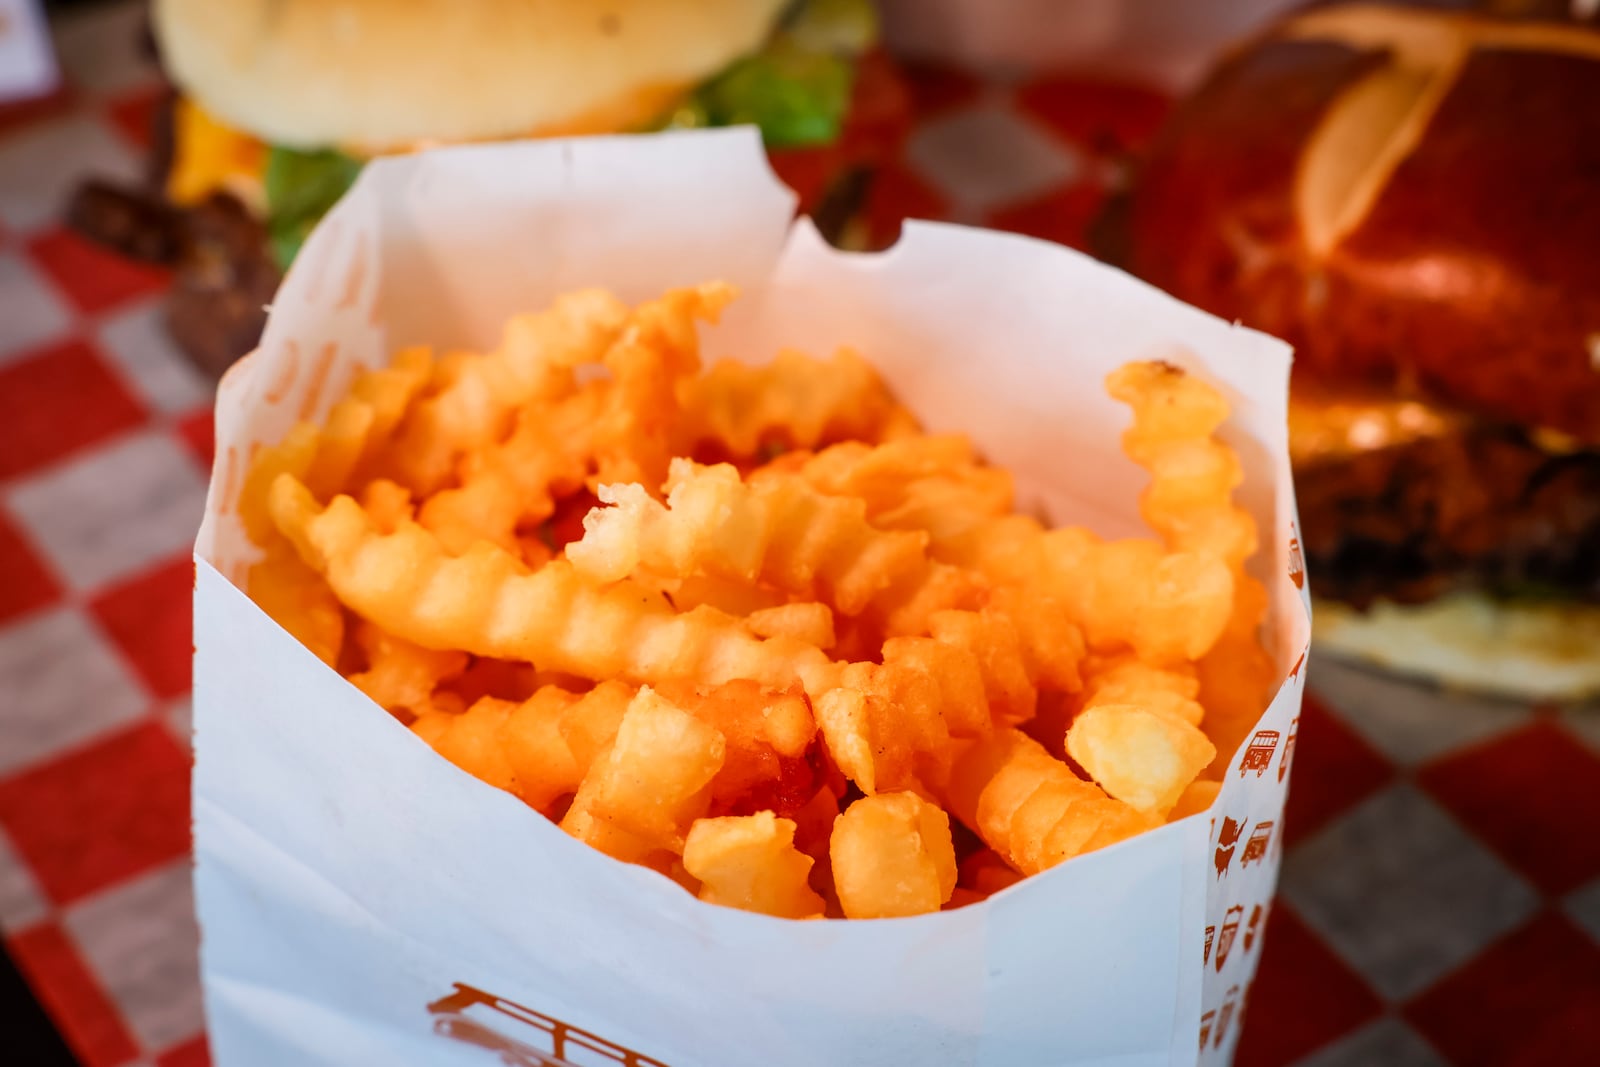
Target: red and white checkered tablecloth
x=1440, y=901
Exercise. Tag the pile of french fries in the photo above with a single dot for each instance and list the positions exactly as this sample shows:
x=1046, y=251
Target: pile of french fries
x=751, y=627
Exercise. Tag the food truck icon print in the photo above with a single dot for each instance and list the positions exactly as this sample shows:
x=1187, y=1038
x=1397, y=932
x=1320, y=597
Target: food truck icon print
x=1258, y=757
x=1253, y=927
x=1286, y=760
x=1211, y=933
x=1297, y=559
x=1205, y=1026
x=1230, y=930
x=1255, y=849
x=1225, y=1016
x=523, y=1037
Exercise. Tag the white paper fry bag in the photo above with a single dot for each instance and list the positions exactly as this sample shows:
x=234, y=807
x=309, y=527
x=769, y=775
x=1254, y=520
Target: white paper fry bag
x=362, y=901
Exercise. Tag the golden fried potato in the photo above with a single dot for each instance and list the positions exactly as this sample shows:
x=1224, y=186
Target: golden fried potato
x=1143, y=756
x=656, y=778
x=892, y=856
x=750, y=862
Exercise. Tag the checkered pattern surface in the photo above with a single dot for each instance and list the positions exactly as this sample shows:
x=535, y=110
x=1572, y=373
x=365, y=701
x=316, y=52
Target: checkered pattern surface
x=1440, y=899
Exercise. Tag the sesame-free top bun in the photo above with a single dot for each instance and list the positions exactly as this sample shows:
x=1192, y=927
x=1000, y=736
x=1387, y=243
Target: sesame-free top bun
x=1520, y=650
x=387, y=73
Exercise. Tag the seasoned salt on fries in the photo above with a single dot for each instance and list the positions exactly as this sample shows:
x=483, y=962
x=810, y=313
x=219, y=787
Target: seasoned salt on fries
x=749, y=626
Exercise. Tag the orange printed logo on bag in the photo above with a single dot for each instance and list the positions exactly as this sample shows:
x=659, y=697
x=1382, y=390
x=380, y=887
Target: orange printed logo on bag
x=1230, y=930
x=1297, y=561
x=1231, y=832
x=1287, y=759
x=1258, y=757
x=1255, y=849
x=522, y=1037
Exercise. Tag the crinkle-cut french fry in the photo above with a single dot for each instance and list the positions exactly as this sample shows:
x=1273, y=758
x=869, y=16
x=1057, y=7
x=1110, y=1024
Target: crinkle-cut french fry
x=472, y=740
x=1123, y=678
x=539, y=749
x=386, y=503
x=807, y=621
x=879, y=474
x=295, y=597
x=892, y=856
x=1030, y=807
x=473, y=397
x=1189, y=500
x=993, y=639
x=514, y=483
x=957, y=676
x=1197, y=796
x=655, y=779
x=779, y=532
x=767, y=733
x=399, y=674
x=1052, y=645
x=804, y=401
x=656, y=355
x=906, y=608
x=1167, y=606
x=750, y=862
x=328, y=458
x=485, y=602
x=1144, y=756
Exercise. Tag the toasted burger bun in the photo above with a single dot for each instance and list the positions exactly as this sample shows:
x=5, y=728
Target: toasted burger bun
x=389, y=73
x=1525, y=651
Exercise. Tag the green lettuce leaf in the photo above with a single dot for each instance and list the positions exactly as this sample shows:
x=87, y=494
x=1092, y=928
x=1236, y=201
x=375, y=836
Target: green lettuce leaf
x=301, y=187
x=797, y=89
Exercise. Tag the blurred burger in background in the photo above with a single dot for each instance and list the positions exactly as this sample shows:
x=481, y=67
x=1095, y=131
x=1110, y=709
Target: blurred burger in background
x=1411, y=196
x=279, y=104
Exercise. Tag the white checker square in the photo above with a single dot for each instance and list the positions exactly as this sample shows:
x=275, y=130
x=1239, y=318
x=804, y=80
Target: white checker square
x=60, y=685
x=137, y=342
x=1583, y=905
x=21, y=901
x=115, y=510
x=1407, y=721
x=178, y=716
x=987, y=155
x=101, y=48
x=1401, y=892
x=140, y=939
x=1388, y=1042
x=1584, y=722
x=40, y=164
x=30, y=311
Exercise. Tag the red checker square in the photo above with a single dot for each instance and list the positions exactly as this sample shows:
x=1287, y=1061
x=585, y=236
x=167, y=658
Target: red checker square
x=897, y=195
x=1532, y=796
x=25, y=580
x=101, y=813
x=134, y=115
x=93, y=278
x=56, y=401
x=150, y=618
x=1334, y=770
x=192, y=1053
x=936, y=89
x=68, y=990
x=199, y=433
x=1062, y=215
x=1531, y=999
x=1303, y=996
x=1099, y=117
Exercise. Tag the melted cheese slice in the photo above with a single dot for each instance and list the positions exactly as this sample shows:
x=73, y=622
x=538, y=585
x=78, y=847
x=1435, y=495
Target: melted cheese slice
x=211, y=156
x=1326, y=424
